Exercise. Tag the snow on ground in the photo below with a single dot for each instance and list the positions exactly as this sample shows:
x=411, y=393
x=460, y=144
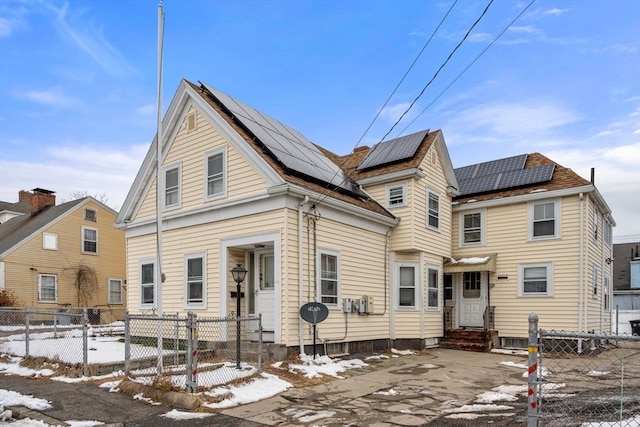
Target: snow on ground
x=265, y=386
x=324, y=365
x=514, y=352
x=180, y=415
x=307, y=415
x=13, y=398
x=402, y=352
x=629, y=422
x=543, y=372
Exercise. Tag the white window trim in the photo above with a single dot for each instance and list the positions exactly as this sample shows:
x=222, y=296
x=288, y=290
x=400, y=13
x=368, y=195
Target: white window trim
x=51, y=238
x=596, y=222
x=336, y=254
x=97, y=241
x=548, y=293
x=155, y=283
x=483, y=221
x=608, y=233
x=1, y=275
x=416, y=295
x=557, y=210
x=208, y=154
x=596, y=279
x=438, y=287
x=109, y=280
x=164, y=183
x=403, y=186
x=606, y=294
x=55, y=298
x=202, y=304
x=435, y=193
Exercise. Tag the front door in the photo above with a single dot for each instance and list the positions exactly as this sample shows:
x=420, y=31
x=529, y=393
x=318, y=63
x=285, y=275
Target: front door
x=472, y=300
x=264, y=291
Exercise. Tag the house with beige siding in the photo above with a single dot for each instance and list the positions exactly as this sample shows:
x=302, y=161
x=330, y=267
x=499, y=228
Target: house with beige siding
x=529, y=235
x=58, y=257
x=368, y=234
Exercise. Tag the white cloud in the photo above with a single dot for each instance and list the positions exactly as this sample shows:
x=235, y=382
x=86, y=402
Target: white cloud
x=393, y=112
x=147, y=110
x=556, y=11
x=511, y=119
x=524, y=29
x=97, y=170
x=479, y=37
x=90, y=39
x=54, y=97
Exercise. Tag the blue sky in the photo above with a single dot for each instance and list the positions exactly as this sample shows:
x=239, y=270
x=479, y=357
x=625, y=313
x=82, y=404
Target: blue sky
x=78, y=82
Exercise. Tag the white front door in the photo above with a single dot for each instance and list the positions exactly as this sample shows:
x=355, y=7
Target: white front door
x=471, y=300
x=264, y=291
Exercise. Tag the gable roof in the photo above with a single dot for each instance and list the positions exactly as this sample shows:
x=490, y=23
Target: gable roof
x=20, y=228
x=560, y=178
x=249, y=128
x=358, y=166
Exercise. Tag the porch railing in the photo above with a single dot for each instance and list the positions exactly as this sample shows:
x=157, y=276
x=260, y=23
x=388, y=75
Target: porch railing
x=489, y=318
x=447, y=318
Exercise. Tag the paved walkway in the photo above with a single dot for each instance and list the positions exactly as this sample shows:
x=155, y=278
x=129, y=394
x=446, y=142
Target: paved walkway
x=403, y=391
x=400, y=391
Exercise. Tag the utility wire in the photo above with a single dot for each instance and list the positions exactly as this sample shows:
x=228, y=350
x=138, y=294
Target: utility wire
x=439, y=69
x=405, y=74
x=391, y=95
x=469, y=66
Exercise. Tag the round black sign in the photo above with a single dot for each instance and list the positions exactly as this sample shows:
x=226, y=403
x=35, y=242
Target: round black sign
x=314, y=312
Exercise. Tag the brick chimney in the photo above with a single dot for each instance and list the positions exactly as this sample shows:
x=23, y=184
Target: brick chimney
x=39, y=199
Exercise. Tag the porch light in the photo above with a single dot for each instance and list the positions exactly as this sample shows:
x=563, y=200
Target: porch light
x=238, y=273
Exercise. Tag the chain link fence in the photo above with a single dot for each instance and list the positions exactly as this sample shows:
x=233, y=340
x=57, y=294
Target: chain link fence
x=584, y=379
x=191, y=353
x=51, y=335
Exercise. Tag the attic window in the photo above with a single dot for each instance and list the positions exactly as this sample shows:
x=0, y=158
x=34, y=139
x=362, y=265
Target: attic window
x=396, y=195
x=90, y=215
x=191, y=122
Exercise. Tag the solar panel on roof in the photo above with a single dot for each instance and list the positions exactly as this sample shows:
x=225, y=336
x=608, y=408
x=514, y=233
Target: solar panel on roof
x=287, y=144
x=500, y=174
x=393, y=150
x=526, y=176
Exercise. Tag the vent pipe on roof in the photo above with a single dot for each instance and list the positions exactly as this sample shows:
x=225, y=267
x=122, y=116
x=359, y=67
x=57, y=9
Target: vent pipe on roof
x=593, y=175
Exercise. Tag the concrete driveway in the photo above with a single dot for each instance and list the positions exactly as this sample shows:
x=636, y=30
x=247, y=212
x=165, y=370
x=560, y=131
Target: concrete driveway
x=435, y=387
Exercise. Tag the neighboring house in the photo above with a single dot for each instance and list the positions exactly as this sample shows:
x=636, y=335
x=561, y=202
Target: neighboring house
x=626, y=276
x=368, y=234
x=62, y=256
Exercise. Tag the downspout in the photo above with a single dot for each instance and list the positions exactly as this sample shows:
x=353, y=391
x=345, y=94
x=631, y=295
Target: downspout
x=300, y=274
x=581, y=272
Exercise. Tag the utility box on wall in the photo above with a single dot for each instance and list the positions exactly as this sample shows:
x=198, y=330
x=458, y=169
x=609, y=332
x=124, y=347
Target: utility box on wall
x=347, y=305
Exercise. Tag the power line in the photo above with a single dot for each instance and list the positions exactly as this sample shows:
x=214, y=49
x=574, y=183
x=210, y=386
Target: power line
x=406, y=73
x=470, y=64
x=346, y=179
x=439, y=69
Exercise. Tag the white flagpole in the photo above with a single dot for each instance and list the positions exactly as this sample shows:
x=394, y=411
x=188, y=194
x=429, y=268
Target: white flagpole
x=159, y=187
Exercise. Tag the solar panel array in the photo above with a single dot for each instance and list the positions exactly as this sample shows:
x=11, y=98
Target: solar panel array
x=500, y=175
x=393, y=150
x=287, y=144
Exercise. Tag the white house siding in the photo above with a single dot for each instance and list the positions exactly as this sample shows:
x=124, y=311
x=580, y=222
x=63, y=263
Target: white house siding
x=402, y=234
x=433, y=316
x=507, y=235
x=426, y=239
x=596, y=317
x=188, y=151
x=361, y=269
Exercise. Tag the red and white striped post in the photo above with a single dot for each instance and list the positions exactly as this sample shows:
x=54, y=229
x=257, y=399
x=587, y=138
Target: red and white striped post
x=532, y=411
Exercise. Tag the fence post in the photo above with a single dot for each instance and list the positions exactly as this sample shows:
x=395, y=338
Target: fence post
x=127, y=343
x=26, y=333
x=260, y=342
x=85, y=341
x=194, y=354
x=532, y=409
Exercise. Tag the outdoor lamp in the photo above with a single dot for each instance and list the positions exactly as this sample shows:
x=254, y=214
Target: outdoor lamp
x=238, y=274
